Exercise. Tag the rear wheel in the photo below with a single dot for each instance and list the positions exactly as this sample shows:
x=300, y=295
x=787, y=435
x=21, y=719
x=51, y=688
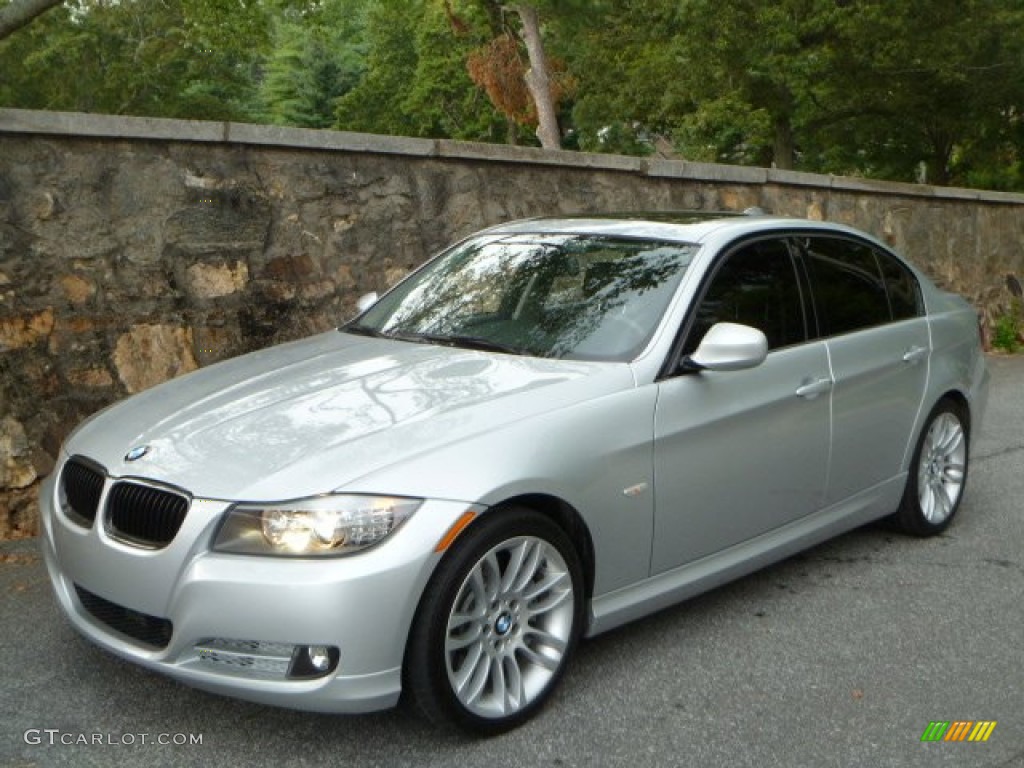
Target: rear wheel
x=497, y=624
x=938, y=473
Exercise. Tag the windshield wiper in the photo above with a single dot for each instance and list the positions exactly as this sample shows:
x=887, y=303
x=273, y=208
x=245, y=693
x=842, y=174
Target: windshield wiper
x=454, y=340
x=363, y=330
x=468, y=342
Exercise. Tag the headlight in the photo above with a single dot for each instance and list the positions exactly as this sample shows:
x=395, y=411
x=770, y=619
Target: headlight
x=323, y=525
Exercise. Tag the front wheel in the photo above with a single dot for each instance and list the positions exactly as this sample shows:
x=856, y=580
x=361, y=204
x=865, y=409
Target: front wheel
x=938, y=473
x=497, y=624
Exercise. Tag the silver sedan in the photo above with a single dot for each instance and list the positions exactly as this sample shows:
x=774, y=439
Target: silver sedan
x=554, y=427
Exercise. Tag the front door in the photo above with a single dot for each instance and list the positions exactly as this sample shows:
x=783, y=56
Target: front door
x=737, y=454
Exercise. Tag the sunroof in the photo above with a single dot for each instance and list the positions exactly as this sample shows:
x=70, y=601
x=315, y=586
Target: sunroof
x=664, y=217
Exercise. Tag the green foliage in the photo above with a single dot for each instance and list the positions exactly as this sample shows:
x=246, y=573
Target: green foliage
x=617, y=138
x=415, y=82
x=627, y=71
x=930, y=86
x=316, y=58
x=873, y=87
x=895, y=89
x=374, y=105
x=1007, y=329
x=20, y=58
x=442, y=98
x=190, y=58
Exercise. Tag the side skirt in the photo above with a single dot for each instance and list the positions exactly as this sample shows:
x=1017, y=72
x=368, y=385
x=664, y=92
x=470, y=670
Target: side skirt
x=657, y=592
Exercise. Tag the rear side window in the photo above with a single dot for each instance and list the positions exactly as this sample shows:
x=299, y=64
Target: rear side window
x=849, y=290
x=904, y=290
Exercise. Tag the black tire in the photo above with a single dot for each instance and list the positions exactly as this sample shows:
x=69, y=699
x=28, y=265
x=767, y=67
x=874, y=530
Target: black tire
x=517, y=638
x=937, y=475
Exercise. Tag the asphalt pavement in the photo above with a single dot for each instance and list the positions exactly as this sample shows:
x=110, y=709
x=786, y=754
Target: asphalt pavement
x=841, y=656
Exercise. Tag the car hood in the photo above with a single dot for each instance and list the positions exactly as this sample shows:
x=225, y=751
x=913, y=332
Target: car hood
x=310, y=416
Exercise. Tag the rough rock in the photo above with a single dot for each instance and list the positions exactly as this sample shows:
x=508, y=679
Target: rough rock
x=211, y=281
x=149, y=354
x=25, y=330
x=16, y=469
x=77, y=289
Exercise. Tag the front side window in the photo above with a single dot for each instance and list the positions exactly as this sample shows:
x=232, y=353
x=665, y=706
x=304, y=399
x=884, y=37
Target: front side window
x=579, y=297
x=756, y=286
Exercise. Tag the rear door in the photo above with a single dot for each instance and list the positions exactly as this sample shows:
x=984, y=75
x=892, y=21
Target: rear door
x=869, y=310
x=739, y=453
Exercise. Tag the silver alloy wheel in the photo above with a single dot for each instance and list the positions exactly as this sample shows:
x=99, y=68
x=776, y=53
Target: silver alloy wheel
x=509, y=627
x=941, y=471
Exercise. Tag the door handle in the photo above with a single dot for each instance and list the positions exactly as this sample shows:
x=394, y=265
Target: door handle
x=811, y=388
x=915, y=354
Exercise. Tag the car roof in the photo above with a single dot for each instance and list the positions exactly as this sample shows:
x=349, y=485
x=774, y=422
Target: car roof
x=676, y=226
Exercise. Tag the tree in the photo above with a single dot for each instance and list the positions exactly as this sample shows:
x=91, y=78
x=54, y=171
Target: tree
x=759, y=72
x=869, y=87
x=443, y=98
x=317, y=56
x=190, y=58
x=545, y=82
x=505, y=67
x=630, y=86
x=415, y=81
x=374, y=105
x=937, y=86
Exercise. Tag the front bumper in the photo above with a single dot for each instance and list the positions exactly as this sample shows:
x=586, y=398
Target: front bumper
x=361, y=604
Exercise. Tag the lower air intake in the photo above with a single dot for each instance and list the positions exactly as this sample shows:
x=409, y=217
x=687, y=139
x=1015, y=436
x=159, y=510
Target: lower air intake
x=149, y=630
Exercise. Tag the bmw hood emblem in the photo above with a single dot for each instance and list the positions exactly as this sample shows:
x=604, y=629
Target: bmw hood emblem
x=136, y=453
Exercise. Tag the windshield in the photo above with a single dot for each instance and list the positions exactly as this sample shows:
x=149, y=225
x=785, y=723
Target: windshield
x=579, y=297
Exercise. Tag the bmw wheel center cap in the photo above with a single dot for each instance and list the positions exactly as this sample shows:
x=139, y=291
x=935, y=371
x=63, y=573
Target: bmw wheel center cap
x=503, y=624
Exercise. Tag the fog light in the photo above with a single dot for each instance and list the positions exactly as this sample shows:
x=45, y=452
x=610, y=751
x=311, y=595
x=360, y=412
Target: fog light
x=312, y=661
x=319, y=657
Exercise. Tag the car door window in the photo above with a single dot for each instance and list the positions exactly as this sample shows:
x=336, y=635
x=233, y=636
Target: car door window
x=756, y=286
x=903, y=289
x=849, y=291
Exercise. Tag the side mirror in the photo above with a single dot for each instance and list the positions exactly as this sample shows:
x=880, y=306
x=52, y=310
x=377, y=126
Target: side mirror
x=728, y=347
x=366, y=301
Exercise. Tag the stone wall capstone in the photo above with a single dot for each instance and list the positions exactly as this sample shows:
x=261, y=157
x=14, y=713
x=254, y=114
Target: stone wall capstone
x=134, y=249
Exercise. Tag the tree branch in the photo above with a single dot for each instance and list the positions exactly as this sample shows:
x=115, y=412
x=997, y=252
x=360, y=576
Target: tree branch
x=18, y=13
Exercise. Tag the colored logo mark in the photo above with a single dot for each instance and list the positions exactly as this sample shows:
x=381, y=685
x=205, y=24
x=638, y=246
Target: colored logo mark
x=958, y=730
x=136, y=453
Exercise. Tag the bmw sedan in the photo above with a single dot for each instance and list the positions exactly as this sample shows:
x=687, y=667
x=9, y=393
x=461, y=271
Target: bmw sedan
x=552, y=428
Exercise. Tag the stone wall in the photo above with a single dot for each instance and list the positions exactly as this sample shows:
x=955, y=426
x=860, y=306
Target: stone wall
x=133, y=250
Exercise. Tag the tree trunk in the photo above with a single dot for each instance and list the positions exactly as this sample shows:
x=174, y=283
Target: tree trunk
x=937, y=170
x=511, y=132
x=537, y=79
x=938, y=160
x=783, y=153
x=20, y=12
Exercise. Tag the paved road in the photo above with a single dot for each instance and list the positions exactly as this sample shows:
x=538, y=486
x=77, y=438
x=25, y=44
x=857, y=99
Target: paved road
x=838, y=657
